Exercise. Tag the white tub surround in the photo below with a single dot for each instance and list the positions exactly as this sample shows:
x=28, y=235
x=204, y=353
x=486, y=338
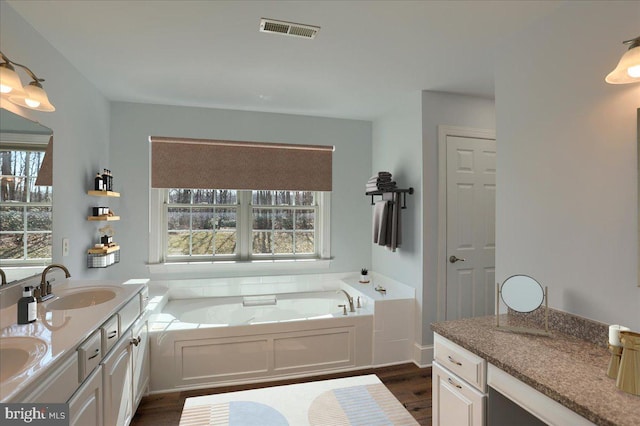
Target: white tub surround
x=393, y=320
x=202, y=335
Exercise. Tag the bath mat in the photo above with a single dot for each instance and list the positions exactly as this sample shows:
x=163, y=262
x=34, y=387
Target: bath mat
x=357, y=401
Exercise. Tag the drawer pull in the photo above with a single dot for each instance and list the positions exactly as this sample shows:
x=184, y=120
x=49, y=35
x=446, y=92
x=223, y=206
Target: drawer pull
x=112, y=334
x=136, y=341
x=454, y=383
x=95, y=354
x=453, y=360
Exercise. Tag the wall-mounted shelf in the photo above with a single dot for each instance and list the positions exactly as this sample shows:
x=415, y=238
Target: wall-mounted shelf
x=104, y=250
x=404, y=193
x=104, y=256
x=104, y=193
x=103, y=218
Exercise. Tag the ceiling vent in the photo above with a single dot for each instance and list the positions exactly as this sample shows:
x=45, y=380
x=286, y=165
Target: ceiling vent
x=288, y=28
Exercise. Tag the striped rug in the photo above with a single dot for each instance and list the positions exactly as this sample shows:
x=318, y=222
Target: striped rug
x=358, y=401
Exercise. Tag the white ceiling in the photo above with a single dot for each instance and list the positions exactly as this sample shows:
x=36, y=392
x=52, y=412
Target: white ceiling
x=211, y=54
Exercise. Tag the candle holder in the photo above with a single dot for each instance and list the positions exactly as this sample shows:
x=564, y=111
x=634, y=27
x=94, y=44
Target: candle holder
x=614, y=362
x=628, y=379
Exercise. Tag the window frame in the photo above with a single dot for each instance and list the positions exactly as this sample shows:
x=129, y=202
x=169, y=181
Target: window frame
x=24, y=206
x=158, y=235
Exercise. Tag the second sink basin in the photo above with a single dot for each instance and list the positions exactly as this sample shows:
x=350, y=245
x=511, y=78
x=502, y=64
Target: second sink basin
x=82, y=298
x=18, y=354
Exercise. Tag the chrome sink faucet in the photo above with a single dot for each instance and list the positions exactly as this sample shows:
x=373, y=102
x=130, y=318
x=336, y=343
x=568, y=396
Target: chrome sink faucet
x=4, y=277
x=43, y=292
x=349, y=298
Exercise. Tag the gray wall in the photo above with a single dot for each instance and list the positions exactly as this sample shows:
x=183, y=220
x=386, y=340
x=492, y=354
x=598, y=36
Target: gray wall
x=567, y=169
x=132, y=124
x=405, y=142
x=397, y=148
x=451, y=110
x=80, y=130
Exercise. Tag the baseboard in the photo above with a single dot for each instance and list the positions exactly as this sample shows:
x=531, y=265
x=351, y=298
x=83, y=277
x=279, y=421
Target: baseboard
x=422, y=355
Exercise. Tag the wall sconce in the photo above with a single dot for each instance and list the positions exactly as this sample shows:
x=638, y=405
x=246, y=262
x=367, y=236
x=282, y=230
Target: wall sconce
x=628, y=69
x=31, y=96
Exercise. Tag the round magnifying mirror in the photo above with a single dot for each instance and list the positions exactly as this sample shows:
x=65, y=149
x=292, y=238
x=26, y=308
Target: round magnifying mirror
x=522, y=293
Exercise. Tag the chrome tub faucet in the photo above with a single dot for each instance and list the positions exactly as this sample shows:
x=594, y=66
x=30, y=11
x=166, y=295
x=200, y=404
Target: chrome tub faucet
x=349, y=298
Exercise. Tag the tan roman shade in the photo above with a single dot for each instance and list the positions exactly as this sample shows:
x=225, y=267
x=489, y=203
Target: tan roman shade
x=203, y=163
x=45, y=174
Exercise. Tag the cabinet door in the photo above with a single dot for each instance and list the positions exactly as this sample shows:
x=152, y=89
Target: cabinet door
x=85, y=406
x=116, y=377
x=455, y=403
x=140, y=362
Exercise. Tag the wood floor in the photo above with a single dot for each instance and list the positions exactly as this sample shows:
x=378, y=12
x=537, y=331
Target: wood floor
x=408, y=383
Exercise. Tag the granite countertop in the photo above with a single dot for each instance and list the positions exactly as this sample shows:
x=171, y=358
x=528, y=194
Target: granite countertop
x=565, y=368
x=62, y=330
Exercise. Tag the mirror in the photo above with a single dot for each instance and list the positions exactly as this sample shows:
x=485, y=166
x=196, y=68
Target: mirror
x=522, y=293
x=25, y=208
x=638, y=155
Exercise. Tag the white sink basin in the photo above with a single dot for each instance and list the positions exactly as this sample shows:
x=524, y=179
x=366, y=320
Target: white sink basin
x=82, y=298
x=17, y=354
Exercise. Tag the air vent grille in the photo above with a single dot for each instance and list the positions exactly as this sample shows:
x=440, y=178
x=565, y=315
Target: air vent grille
x=288, y=28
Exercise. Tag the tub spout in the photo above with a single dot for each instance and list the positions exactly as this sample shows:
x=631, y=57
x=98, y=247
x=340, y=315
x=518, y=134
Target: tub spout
x=349, y=298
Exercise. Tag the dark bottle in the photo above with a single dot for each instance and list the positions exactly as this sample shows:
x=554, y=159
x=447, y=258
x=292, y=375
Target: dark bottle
x=98, y=183
x=105, y=180
x=27, y=307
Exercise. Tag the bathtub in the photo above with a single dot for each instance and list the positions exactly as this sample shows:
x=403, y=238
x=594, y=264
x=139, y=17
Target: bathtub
x=216, y=341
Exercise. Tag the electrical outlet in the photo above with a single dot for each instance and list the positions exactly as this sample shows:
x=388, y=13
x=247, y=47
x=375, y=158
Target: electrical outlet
x=65, y=247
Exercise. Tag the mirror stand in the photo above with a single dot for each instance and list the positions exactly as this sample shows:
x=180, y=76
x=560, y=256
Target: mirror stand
x=527, y=330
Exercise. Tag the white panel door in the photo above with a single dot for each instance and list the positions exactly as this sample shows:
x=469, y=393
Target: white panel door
x=471, y=197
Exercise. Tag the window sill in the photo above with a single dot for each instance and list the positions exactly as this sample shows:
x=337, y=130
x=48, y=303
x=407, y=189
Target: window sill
x=237, y=266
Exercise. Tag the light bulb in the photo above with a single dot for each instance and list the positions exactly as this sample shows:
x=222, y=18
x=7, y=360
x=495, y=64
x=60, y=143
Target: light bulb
x=9, y=80
x=32, y=102
x=634, y=71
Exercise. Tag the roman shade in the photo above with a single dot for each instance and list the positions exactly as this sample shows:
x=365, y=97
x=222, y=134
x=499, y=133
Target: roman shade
x=216, y=164
x=45, y=174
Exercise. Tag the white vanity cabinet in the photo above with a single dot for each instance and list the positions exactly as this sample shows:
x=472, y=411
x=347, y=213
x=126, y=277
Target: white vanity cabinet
x=58, y=386
x=85, y=406
x=117, y=383
x=125, y=375
x=140, y=360
x=459, y=385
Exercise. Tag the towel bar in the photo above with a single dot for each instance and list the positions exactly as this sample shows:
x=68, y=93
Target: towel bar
x=404, y=193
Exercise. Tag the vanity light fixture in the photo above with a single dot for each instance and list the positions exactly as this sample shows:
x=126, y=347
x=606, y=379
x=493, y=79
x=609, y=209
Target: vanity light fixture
x=31, y=96
x=628, y=69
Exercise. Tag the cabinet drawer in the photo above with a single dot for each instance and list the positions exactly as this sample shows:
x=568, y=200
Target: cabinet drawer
x=58, y=386
x=461, y=362
x=89, y=354
x=129, y=313
x=110, y=334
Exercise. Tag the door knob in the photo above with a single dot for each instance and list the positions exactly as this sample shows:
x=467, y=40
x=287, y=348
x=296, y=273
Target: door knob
x=454, y=259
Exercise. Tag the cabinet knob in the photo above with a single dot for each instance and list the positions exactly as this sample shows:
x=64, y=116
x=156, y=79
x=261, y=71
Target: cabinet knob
x=135, y=341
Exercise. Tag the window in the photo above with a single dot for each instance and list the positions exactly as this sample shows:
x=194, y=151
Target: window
x=25, y=209
x=209, y=224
